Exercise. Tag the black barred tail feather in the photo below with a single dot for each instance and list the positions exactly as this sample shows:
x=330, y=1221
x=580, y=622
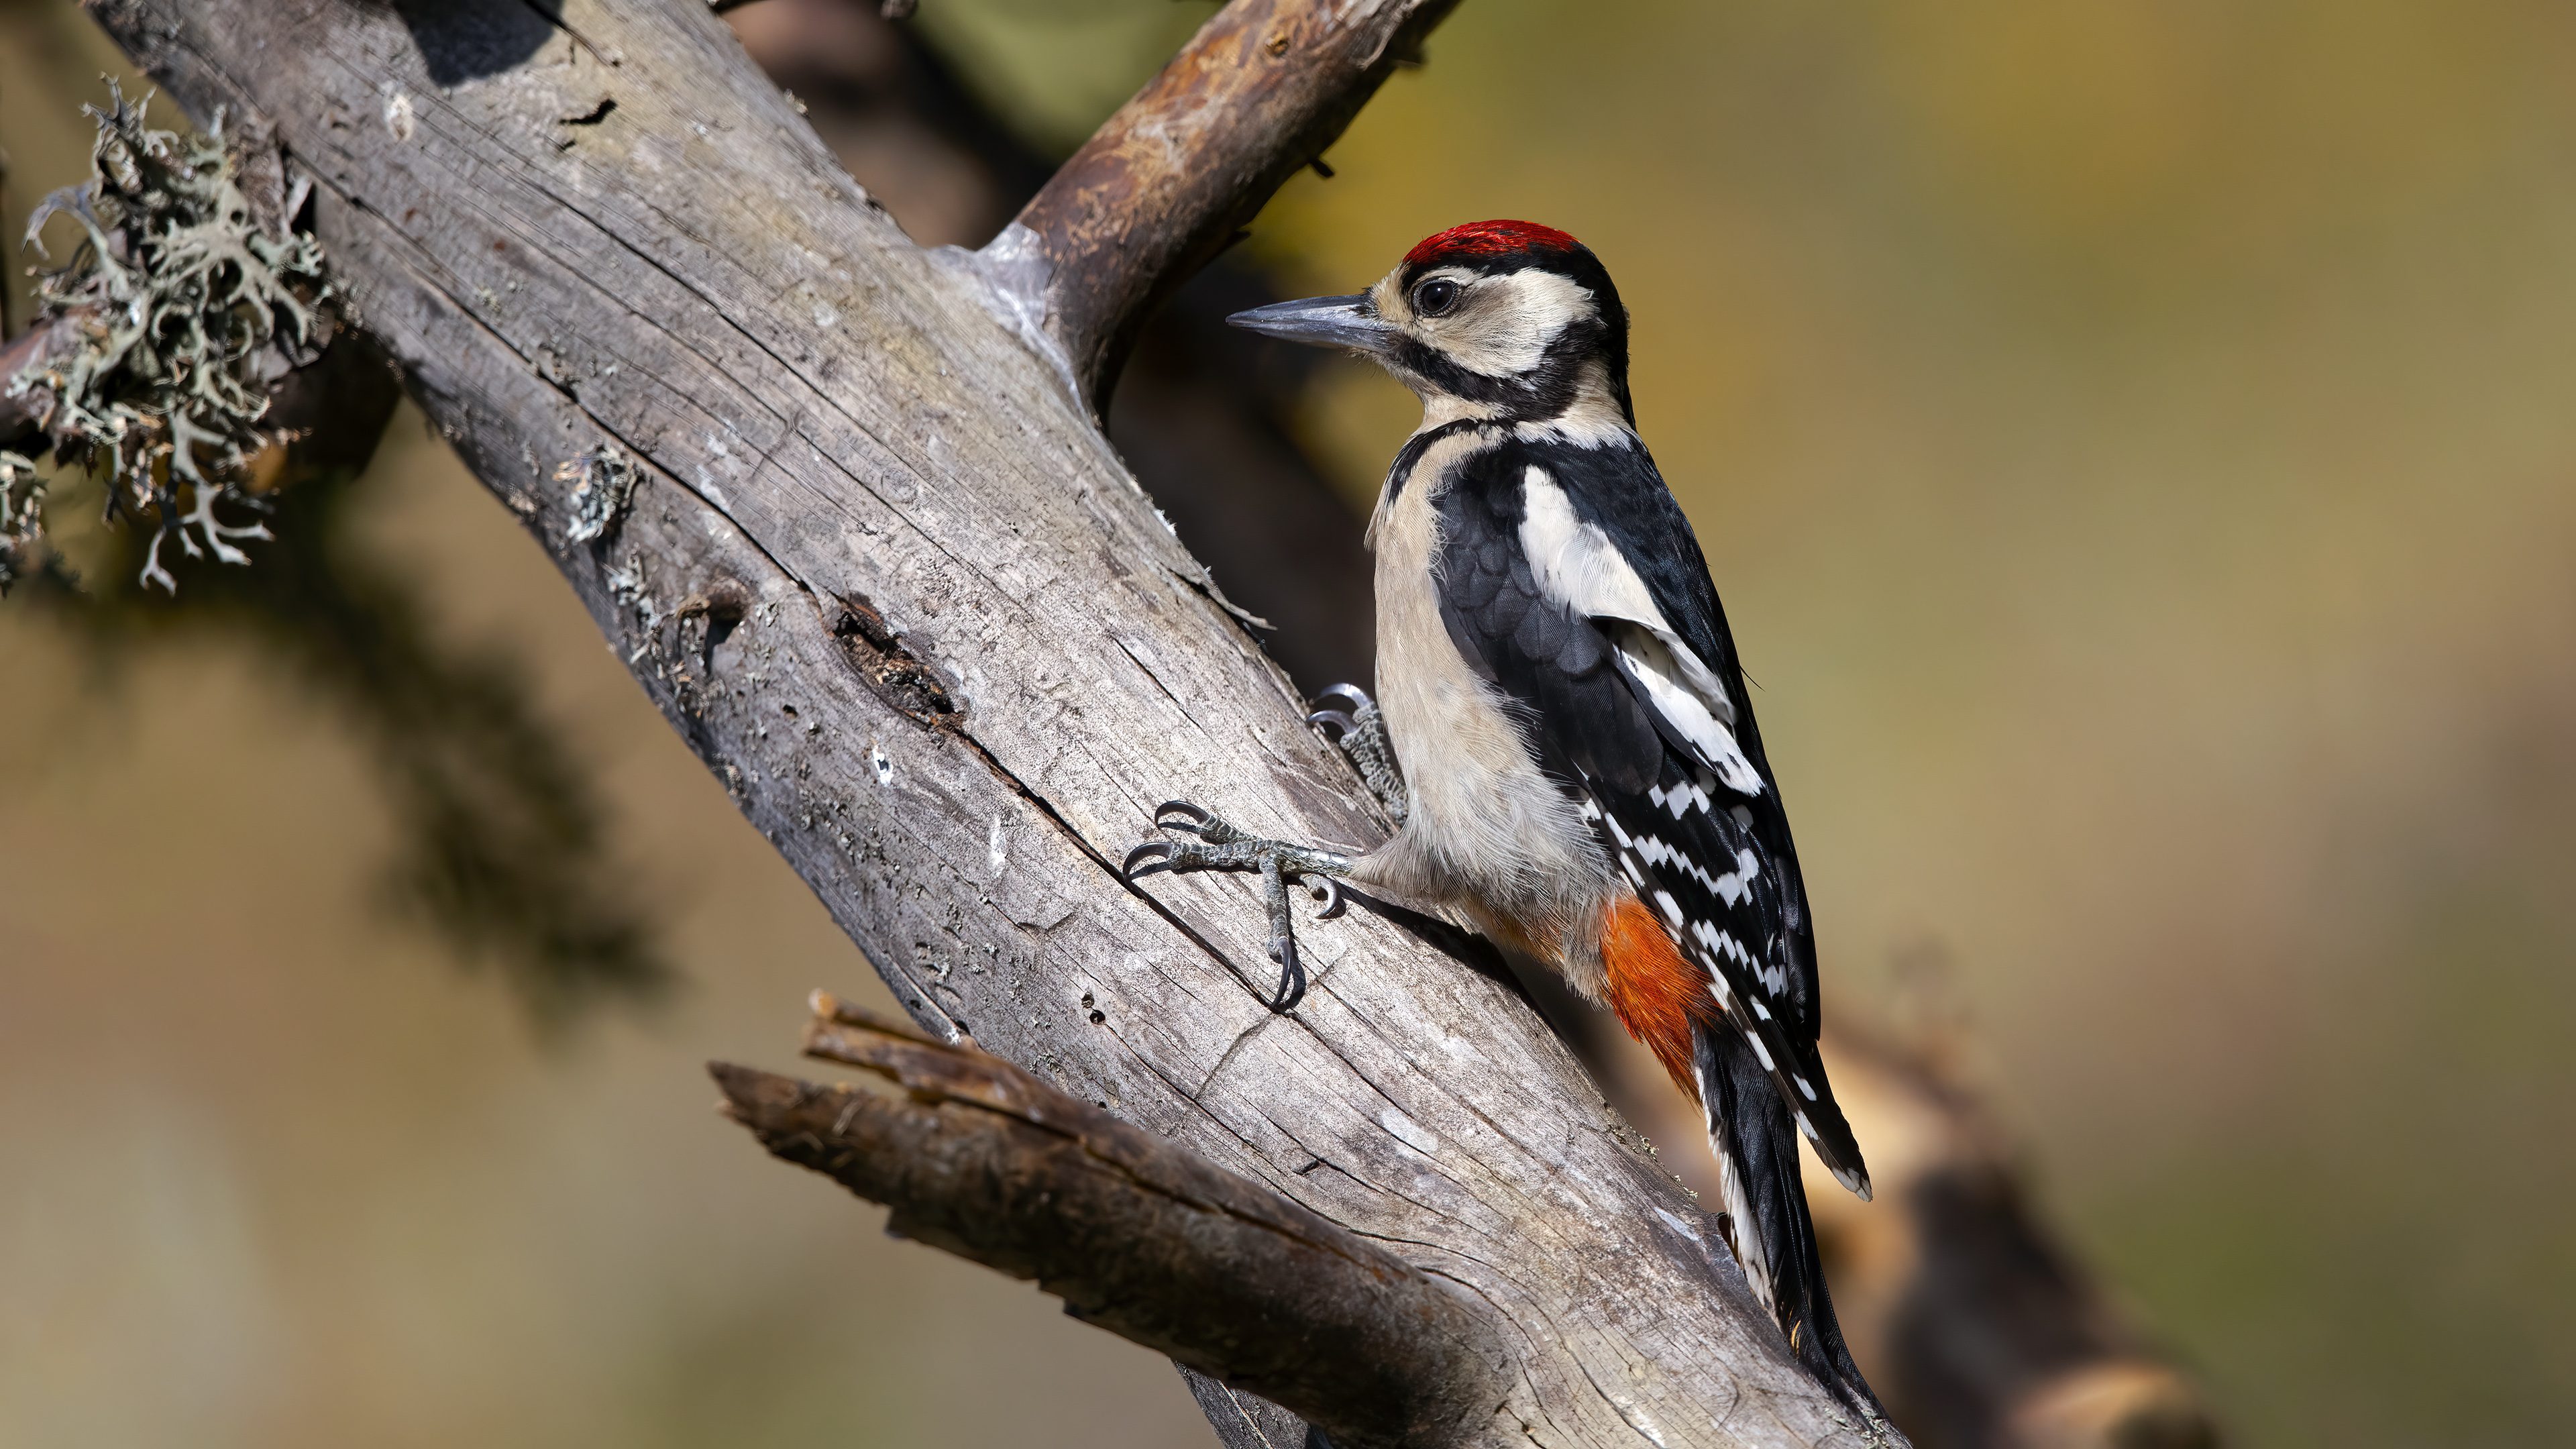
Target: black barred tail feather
x=1715, y=873
x=1766, y=1204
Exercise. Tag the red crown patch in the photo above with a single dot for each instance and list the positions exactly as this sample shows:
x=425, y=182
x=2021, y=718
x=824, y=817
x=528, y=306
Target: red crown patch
x=1490, y=239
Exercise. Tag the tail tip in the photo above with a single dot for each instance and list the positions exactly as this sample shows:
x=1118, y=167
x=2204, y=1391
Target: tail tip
x=1854, y=1180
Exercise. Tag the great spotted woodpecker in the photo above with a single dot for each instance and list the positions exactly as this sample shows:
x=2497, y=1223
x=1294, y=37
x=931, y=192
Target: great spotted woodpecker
x=1575, y=768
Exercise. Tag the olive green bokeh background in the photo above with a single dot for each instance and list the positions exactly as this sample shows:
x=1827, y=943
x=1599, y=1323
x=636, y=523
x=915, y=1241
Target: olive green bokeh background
x=2136, y=441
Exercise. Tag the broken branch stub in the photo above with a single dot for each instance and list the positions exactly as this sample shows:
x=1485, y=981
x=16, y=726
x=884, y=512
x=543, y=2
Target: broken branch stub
x=1138, y=1236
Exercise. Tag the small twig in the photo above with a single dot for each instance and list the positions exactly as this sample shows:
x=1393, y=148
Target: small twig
x=1136, y=1235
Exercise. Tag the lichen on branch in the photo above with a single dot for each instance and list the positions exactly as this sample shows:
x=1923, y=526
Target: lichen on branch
x=22, y=516
x=187, y=299
x=603, y=483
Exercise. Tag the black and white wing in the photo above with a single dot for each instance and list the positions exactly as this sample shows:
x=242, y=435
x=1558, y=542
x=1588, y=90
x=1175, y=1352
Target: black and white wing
x=1572, y=581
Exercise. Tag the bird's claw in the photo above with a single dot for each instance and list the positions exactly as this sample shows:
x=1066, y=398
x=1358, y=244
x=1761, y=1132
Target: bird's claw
x=1325, y=890
x=1159, y=851
x=1221, y=846
x=1283, y=940
x=1196, y=820
x=1177, y=856
x=1190, y=816
x=1360, y=734
x=1345, y=721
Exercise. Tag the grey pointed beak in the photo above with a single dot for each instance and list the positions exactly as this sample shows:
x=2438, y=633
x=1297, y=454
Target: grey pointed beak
x=1322, y=322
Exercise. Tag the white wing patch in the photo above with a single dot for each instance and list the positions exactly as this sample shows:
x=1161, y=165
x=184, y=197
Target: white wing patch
x=1575, y=563
x=1663, y=667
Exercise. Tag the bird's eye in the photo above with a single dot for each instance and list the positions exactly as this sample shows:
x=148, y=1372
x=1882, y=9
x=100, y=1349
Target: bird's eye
x=1435, y=296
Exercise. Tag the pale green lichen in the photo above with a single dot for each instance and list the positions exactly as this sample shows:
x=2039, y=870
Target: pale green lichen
x=187, y=300
x=22, y=516
x=603, y=484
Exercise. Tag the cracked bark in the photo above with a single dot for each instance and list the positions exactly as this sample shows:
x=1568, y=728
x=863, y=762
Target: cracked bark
x=822, y=412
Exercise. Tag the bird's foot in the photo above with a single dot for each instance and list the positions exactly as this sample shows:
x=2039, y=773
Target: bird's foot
x=1219, y=846
x=1360, y=731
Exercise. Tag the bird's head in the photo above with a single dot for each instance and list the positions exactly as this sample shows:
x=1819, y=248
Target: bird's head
x=1497, y=319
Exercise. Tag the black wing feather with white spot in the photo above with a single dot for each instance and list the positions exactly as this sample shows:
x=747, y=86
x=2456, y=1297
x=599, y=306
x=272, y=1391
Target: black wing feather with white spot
x=1715, y=862
x=1689, y=847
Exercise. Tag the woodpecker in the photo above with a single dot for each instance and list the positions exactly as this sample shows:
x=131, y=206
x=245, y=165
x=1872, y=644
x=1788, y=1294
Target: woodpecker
x=1574, y=764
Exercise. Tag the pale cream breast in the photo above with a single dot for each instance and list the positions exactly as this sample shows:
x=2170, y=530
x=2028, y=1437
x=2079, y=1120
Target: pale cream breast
x=1488, y=833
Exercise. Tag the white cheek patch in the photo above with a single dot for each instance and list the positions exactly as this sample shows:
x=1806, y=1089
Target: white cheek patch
x=1575, y=564
x=1508, y=322
x=1390, y=301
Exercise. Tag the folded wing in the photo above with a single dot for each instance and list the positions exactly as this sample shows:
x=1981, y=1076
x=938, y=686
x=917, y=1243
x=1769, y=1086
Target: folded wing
x=1631, y=696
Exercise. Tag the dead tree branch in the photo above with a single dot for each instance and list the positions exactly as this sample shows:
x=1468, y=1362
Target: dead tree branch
x=882, y=572
x=1136, y=1235
x=1163, y=186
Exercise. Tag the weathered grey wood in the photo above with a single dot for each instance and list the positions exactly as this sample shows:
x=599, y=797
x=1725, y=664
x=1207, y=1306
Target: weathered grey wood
x=832, y=429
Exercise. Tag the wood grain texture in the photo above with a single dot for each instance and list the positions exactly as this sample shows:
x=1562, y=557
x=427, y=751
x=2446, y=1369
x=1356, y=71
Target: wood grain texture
x=832, y=426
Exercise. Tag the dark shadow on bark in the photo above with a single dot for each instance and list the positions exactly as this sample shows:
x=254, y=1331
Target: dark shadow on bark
x=464, y=40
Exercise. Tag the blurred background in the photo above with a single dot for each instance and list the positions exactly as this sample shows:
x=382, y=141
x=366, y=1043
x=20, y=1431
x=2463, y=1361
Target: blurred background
x=2136, y=440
